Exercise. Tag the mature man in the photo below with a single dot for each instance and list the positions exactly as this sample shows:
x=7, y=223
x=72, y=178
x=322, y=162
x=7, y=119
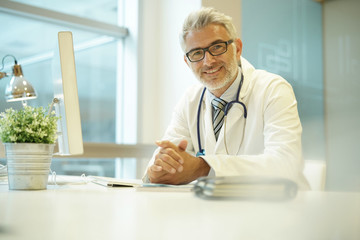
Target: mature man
x=238, y=121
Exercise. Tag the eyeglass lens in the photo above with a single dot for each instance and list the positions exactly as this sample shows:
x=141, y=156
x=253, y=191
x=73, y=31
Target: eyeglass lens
x=214, y=50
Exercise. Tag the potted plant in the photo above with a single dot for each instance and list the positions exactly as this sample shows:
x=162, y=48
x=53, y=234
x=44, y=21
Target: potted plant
x=29, y=136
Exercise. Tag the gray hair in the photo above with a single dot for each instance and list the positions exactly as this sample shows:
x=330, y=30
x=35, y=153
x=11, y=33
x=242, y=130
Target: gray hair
x=202, y=18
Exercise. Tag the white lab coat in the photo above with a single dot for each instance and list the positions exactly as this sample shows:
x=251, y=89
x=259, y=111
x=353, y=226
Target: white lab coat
x=266, y=143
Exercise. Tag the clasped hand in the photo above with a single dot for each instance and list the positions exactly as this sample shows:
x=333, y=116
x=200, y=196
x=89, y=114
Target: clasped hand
x=173, y=165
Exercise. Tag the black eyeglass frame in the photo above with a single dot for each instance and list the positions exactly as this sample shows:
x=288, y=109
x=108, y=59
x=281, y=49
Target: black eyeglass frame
x=207, y=50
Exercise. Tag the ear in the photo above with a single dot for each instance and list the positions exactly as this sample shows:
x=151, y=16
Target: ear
x=238, y=44
x=186, y=60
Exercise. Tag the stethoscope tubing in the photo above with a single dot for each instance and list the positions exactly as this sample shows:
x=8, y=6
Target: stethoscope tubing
x=201, y=151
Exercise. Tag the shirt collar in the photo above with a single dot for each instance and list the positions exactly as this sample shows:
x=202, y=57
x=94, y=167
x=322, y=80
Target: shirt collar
x=230, y=94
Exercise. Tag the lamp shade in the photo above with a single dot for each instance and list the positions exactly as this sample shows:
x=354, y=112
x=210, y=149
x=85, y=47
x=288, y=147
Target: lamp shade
x=19, y=88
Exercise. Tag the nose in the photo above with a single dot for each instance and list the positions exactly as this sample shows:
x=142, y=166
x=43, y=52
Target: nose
x=208, y=58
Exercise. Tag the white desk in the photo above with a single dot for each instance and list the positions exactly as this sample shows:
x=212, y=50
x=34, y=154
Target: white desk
x=91, y=212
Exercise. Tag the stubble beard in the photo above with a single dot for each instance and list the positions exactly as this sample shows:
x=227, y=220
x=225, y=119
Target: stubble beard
x=230, y=75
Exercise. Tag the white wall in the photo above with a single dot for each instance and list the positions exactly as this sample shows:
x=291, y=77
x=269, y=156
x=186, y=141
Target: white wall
x=231, y=8
x=164, y=76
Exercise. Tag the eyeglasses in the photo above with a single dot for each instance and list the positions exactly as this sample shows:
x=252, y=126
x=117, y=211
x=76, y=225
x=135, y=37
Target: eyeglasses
x=215, y=50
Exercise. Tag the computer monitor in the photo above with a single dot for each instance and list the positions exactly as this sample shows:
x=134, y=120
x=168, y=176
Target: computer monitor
x=70, y=140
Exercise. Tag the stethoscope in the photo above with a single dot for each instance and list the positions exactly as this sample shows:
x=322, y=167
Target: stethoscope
x=201, y=151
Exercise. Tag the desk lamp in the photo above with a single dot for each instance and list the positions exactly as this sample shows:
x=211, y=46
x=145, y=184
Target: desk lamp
x=18, y=89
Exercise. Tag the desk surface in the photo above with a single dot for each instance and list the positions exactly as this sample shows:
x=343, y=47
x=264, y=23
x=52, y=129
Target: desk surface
x=89, y=211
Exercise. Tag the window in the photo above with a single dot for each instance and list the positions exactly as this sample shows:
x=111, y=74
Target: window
x=100, y=43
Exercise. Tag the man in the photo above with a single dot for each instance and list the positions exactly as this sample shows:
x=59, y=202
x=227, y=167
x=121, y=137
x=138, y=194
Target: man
x=260, y=133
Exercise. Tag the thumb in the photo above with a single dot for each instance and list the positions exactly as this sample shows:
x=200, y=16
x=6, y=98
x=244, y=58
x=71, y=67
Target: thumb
x=183, y=144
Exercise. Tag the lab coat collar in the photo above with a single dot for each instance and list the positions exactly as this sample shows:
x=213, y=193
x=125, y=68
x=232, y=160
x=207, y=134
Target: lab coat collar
x=247, y=69
x=230, y=94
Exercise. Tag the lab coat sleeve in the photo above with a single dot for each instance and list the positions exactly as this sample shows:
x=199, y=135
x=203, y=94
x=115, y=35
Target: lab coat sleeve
x=177, y=130
x=281, y=135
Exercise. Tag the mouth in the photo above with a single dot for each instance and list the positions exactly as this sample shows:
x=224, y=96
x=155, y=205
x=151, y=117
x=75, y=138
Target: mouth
x=212, y=71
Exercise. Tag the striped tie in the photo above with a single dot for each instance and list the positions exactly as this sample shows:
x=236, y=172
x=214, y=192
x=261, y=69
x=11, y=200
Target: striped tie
x=218, y=116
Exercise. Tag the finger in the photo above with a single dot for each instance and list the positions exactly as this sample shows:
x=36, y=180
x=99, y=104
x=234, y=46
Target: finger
x=182, y=145
x=165, y=166
x=176, y=149
x=168, y=162
x=155, y=176
x=166, y=144
x=156, y=168
x=172, y=154
x=164, y=179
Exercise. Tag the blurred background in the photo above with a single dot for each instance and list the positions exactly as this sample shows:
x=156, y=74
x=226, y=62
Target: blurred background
x=128, y=60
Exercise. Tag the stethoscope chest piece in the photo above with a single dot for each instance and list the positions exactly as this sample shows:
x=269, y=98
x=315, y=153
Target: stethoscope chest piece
x=200, y=153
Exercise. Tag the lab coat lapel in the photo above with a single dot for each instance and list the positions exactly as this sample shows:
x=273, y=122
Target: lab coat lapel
x=234, y=126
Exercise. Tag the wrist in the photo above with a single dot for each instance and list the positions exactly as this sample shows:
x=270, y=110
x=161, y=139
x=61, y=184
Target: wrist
x=204, y=167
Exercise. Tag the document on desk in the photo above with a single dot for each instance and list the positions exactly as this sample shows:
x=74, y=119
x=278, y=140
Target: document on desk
x=139, y=185
x=155, y=187
x=115, y=182
x=245, y=188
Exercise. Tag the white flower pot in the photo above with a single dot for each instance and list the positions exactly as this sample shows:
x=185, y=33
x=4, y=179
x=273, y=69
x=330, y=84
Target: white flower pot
x=28, y=165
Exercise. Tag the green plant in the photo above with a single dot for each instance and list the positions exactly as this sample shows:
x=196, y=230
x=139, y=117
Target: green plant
x=28, y=125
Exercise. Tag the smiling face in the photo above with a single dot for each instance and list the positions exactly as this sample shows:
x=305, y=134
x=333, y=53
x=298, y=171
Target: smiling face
x=217, y=73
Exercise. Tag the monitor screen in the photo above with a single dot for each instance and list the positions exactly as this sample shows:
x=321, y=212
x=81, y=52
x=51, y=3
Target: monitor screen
x=70, y=140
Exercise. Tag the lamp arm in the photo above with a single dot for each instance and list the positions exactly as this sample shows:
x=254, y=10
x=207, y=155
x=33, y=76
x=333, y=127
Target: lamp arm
x=3, y=74
x=54, y=101
x=3, y=60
